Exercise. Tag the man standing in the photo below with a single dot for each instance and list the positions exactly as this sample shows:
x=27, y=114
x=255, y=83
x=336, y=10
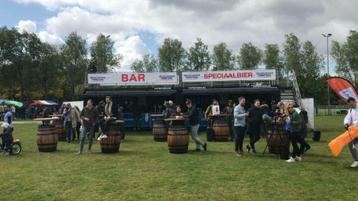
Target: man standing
x=210, y=119
x=352, y=120
x=68, y=122
x=240, y=125
x=229, y=111
x=193, y=116
x=254, y=125
x=89, y=117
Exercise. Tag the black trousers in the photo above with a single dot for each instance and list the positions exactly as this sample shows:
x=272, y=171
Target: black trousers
x=254, y=134
x=296, y=139
x=231, y=128
x=239, y=138
x=78, y=131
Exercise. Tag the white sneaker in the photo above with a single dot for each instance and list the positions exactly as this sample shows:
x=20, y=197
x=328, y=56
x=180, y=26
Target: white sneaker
x=298, y=158
x=104, y=136
x=354, y=164
x=291, y=160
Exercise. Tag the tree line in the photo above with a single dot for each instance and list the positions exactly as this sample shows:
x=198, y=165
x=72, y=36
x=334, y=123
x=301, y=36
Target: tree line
x=32, y=69
x=293, y=55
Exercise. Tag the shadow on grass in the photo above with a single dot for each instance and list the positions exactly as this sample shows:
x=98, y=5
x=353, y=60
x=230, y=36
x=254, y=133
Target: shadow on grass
x=347, y=167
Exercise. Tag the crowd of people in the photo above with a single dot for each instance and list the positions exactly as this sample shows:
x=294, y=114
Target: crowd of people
x=86, y=123
x=241, y=121
x=192, y=113
x=254, y=120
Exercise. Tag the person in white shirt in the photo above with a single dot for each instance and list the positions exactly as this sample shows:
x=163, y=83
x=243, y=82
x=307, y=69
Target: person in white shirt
x=352, y=120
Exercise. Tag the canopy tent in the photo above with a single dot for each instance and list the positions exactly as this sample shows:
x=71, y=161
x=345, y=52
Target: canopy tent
x=43, y=102
x=11, y=102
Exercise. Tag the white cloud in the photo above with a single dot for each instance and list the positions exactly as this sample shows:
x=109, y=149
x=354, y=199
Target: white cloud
x=49, y=4
x=50, y=38
x=26, y=26
x=230, y=21
x=131, y=49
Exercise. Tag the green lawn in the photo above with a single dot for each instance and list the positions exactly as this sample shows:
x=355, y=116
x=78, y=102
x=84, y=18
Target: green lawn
x=144, y=170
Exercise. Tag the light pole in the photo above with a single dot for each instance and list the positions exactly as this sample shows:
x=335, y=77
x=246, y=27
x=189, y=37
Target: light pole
x=328, y=100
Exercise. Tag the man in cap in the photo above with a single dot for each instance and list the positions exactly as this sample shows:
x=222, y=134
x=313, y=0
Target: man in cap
x=352, y=120
x=169, y=109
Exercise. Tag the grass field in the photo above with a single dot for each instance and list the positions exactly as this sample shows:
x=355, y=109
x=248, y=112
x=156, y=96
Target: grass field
x=144, y=170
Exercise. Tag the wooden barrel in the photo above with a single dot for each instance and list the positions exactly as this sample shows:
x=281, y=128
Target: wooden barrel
x=221, y=130
x=278, y=140
x=46, y=138
x=60, y=129
x=113, y=140
x=178, y=139
x=160, y=131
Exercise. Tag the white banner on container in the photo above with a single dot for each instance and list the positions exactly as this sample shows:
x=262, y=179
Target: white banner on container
x=130, y=78
x=239, y=75
x=103, y=79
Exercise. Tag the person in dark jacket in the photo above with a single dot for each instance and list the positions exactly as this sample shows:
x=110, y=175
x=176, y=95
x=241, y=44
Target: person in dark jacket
x=169, y=109
x=89, y=117
x=304, y=121
x=68, y=122
x=193, y=116
x=294, y=129
x=254, y=125
x=229, y=111
x=120, y=116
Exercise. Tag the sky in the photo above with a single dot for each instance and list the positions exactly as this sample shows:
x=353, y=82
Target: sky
x=138, y=27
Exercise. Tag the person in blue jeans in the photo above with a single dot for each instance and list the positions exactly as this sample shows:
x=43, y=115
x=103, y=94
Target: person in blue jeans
x=68, y=122
x=240, y=125
x=89, y=117
x=193, y=116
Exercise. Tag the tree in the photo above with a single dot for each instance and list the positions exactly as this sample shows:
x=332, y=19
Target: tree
x=171, y=55
x=147, y=64
x=19, y=59
x=339, y=53
x=346, y=56
x=198, y=56
x=10, y=50
x=292, y=53
x=102, y=53
x=311, y=65
x=223, y=58
x=49, y=71
x=250, y=56
x=272, y=59
x=74, y=60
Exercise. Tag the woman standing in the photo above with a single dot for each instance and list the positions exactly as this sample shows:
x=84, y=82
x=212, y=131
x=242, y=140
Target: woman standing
x=76, y=122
